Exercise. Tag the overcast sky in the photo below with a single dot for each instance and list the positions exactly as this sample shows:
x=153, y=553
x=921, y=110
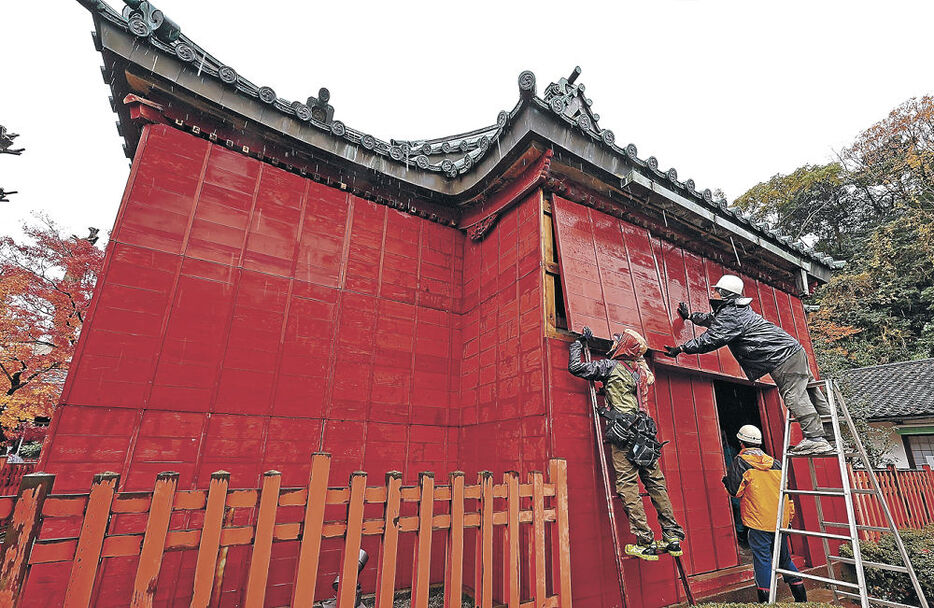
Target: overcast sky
x=727, y=92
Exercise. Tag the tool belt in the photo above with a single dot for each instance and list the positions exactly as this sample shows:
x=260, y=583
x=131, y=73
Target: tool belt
x=635, y=432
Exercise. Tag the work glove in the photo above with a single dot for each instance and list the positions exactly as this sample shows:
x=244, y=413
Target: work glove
x=586, y=335
x=673, y=351
x=683, y=310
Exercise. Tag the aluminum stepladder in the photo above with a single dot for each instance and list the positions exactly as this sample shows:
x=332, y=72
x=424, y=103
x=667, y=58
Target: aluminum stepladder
x=605, y=473
x=841, y=588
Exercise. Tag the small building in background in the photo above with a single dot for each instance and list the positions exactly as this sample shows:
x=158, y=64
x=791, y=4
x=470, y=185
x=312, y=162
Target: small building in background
x=898, y=398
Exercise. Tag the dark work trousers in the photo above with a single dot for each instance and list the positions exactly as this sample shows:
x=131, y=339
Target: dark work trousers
x=761, y=544
x=807, y=405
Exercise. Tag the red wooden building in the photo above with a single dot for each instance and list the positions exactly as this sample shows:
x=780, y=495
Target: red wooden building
x=278, y=283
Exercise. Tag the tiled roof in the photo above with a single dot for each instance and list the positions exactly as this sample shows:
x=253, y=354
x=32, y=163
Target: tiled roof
x=894, y=390
x=451, y=156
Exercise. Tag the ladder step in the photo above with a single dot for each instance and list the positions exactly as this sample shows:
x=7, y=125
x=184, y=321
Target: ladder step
x=814, y=577
x=822, y=492
x=850, y=560
x=876, y=600
x=836, y=524
x=817, y=534
x=862, y=491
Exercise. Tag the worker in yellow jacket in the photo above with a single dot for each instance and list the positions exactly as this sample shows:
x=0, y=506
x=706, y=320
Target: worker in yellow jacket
x=755, y=478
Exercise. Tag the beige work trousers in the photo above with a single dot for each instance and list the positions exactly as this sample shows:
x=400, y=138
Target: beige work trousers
x=627, y=486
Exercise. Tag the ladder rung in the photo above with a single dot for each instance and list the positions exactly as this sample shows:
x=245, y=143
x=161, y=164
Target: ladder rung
x=837, y=524
x=817, y=383
x=862, y=491
x=817, y=534
x=876, y=600
x=827, y=455
x=814, y=577
x=821, y=492
x=850, y=560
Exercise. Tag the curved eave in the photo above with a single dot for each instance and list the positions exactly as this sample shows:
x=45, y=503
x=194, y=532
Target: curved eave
x=530, y=122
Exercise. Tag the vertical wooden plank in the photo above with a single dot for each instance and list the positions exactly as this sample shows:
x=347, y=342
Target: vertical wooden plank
x=157, y=527
x=422, y=569
x=22, y=531
x=538, y=537
x=347, y=588
x=88, y=552
x=484, y=585
x=454, y=568
x=218, y=583
x=262, y=540
x=309, y=554
x=390, y=546
x=210, y=539
x=511, y=479
x=558, y=475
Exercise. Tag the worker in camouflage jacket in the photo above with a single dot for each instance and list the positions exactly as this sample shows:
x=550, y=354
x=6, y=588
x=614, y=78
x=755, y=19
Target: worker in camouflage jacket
x=761, y=347
x=626, y=378
x=754, y=477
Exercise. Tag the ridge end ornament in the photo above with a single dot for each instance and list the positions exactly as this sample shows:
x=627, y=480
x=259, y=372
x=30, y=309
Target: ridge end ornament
x=566, y=99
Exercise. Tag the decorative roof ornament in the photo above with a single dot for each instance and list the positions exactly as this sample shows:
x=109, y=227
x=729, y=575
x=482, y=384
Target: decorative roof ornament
x=144, y=20
x=6, y=142
x=450, y=156
x=567, y=99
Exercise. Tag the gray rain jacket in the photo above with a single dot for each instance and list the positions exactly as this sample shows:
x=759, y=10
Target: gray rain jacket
x=758, y=345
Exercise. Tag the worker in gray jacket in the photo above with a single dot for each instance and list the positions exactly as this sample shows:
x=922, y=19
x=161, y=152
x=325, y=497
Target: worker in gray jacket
x=761, y=347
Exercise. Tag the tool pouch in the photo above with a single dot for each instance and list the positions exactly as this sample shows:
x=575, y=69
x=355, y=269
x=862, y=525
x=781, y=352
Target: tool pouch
x=635, y=432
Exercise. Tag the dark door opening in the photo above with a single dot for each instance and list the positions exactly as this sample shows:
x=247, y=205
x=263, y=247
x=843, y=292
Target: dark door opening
x=737, y=405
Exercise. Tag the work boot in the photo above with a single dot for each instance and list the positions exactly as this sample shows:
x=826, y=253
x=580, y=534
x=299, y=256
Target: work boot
x=812, y=447
x=798, y=591
x=671, y=546
x=763, y=595
x=647, y=552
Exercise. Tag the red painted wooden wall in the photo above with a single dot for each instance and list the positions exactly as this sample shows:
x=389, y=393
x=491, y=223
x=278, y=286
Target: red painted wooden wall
x=247, y=317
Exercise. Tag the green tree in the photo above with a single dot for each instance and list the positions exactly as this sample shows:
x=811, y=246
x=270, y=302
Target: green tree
x=874, y=207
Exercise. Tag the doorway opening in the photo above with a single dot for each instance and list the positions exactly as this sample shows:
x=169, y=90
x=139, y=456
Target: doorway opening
x=737, y=405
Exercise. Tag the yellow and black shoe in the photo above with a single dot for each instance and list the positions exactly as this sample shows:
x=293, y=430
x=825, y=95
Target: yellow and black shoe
x=647, y=552
x=671, y=546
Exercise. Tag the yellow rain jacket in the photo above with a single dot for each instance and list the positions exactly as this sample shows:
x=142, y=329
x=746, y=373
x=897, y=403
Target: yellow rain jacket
x=754, y=477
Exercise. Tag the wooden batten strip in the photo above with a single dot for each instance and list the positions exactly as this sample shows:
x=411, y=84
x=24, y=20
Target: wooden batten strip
x=484, y=585
x=22, y=531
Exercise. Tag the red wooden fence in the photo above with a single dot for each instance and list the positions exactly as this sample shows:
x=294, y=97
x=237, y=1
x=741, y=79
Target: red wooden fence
x=908, y=492
x=529, y=508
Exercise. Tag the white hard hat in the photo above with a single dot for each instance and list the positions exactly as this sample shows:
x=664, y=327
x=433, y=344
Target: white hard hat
x=749, y=434
x=731, y=283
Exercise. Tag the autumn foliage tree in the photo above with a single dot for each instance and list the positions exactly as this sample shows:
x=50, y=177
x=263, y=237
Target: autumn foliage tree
x=874, y=208
x=46, y=281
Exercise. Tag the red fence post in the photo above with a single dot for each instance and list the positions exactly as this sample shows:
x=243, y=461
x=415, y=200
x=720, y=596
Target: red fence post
x=558, y=475
x=390, y=546
x=310, y=552
x=93, y=529
x=23, y=530
x=157, y=528
x=210, y=539
x=454, y=566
